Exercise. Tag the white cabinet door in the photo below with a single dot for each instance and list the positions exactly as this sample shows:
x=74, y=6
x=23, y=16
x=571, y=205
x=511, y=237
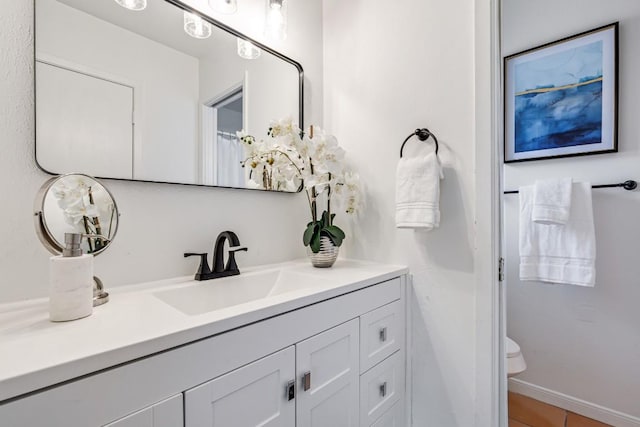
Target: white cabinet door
x=167, y=413
x=327, y=372
x=251, y=396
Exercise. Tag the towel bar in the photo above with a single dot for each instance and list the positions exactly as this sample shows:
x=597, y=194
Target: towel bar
x=627, y=185
x=422, y=134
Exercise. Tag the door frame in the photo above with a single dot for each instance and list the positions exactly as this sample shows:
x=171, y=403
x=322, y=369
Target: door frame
x=209, y=127
x=491, y=379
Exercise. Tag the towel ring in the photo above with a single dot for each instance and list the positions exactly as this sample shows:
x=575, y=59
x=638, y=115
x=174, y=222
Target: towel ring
x=422, y=134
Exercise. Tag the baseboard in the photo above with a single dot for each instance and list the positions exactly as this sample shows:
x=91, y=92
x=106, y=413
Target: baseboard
x=582, y=407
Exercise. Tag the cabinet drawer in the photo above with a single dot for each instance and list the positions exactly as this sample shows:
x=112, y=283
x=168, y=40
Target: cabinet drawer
x=394, y=417
x=380, y=388
x=381, y=334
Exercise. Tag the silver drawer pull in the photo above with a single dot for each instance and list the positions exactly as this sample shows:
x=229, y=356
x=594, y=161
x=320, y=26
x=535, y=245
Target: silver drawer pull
x=306, y=381
x=383, y=334
x=290, y=390
x=383, y=389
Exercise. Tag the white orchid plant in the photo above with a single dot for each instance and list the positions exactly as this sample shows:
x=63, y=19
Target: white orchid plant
x=291, y=158
x=82, y=210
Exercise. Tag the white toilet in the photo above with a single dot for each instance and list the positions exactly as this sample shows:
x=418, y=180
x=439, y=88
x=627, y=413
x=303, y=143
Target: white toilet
x=515, y=360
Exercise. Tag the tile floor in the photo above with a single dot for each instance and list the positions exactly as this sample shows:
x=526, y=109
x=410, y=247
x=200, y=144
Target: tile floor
x=527, y=412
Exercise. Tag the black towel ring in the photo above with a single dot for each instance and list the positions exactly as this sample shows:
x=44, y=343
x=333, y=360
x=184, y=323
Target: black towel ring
x=422, y=134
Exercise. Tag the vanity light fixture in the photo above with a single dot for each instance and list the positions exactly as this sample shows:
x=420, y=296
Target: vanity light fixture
x=248, y=50
x=133, y=4
x=224, y=6
x=276, y=19
x=195, y=26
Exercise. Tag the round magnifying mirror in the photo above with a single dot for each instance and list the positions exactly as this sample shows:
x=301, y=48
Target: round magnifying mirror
x=77, y=203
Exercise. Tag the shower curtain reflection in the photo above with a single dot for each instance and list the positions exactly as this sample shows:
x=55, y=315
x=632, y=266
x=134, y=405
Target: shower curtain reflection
x=229, y=156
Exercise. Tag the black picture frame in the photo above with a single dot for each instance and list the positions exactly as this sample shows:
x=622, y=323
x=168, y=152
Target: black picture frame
x=550, y=111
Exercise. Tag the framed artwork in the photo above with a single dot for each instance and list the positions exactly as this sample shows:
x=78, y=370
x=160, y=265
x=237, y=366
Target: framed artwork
x=560, y=99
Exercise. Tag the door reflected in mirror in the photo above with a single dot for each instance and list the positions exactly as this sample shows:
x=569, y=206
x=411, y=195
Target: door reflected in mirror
x=132, y=95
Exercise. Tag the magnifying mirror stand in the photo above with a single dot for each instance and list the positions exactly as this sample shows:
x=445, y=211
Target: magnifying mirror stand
x=99, y=295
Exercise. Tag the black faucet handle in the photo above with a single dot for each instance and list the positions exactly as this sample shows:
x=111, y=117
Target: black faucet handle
x=238, y=249
x=203, y=269
x=231, y=263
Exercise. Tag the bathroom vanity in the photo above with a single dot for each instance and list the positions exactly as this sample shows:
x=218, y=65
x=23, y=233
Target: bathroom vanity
x=282, y=345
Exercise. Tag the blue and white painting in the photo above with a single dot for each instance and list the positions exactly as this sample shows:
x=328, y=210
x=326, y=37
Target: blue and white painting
x=558, y=99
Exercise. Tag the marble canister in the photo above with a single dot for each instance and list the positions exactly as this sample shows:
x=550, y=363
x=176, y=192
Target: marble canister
x=70, y=287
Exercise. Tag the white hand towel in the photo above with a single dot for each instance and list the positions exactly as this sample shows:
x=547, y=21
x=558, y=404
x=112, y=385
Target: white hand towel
x=559, y=253
x=418, y=192
x=552, y=201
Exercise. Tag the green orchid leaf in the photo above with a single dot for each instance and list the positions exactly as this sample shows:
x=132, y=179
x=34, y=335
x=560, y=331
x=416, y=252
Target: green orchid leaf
x=325, y=219
x=335, y=231
x=309, y=232
x=315, y=242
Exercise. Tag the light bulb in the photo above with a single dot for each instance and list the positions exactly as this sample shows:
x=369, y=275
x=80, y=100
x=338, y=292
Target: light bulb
x=133, y=4
x=276, y=19
x=224, y=6
x=196, y=27
x=247, y=50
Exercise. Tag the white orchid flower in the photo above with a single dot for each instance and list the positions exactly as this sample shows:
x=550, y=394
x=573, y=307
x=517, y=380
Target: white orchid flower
x=254, y=185
x=79, y=212
x=283, y=127
x=319, y=183
x=289, y=157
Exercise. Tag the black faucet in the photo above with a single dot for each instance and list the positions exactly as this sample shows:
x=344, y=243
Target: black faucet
x=219, y=268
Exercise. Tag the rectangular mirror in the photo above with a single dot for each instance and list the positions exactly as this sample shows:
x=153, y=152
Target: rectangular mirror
x=130, y=94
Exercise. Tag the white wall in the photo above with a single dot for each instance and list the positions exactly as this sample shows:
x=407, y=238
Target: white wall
x=159, y=221
x=271, y=86
x=166, y=98
x=391, y=67
x=579, y=341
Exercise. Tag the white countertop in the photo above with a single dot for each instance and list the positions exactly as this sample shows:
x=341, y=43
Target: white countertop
x=36, y=353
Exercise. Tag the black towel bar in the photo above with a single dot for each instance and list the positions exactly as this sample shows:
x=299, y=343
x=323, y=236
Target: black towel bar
x=627, y=185
x=422, y=134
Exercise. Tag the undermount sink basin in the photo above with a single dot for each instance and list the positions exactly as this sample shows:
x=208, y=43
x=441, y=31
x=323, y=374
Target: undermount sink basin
x=206, y=296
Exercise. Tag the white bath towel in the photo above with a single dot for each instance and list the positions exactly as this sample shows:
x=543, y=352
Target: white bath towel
x=552, y=201
x=418, y=192
x=559, y=253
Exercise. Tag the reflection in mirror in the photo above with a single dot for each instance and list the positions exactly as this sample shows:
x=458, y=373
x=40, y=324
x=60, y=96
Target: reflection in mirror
x=154, y=95
x=76, y=203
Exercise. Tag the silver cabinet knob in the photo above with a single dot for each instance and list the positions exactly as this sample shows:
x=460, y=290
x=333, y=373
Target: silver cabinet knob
x=290, y=390
x=383, y=334
x=383, y=389
x=306, y=381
